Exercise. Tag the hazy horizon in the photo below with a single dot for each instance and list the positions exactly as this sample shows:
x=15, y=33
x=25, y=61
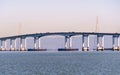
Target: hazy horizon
x=58, y=16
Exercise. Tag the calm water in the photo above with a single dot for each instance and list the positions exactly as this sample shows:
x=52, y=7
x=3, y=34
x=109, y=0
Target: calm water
x=59, y=63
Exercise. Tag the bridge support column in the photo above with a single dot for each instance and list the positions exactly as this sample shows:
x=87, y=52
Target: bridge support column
x=37, y=47
x=5, y=44
x=35, y=43
x=70, y=42
x=115, y=42
x=39, y=43
x=22, y=47
x=15, y=44
x=85, y=42
x=68, y=45
x=11, y=45
x=20, y=44
x=1, y=44
x=25, y=39
x=100, y=42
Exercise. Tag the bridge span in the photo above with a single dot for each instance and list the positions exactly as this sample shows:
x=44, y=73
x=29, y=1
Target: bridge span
x=68, y=42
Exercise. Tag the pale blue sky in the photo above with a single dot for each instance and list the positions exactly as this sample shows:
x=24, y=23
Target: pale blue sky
x=58, y=15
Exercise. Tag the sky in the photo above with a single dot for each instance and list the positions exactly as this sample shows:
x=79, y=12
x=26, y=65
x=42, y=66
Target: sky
x=37, y=16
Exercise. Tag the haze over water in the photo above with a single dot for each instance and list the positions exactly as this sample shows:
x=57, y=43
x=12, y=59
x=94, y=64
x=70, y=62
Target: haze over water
x=56, y=16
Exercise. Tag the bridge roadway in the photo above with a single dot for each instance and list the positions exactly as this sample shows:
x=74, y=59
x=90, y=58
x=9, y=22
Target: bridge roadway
x=68, y=41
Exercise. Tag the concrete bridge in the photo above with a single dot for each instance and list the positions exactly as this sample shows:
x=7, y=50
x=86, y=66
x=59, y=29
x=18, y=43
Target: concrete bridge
x=68, y=42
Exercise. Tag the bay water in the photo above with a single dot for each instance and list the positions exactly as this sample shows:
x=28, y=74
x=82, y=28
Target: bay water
x=60, y=63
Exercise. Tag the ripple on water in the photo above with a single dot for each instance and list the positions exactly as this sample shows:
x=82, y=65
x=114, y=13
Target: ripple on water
x=59, y=63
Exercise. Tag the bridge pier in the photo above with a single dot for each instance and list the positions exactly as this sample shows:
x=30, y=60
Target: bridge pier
x=85, y=42
x=35, y=43
x=100, y=42
x=23, y=47
x=68, y=42
x=11, y=44
x=115, y=42
x=3, y=45
x=0, y=45
x=39, y=43
x=15, y=44
x=37, y=47
x=68, y=45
